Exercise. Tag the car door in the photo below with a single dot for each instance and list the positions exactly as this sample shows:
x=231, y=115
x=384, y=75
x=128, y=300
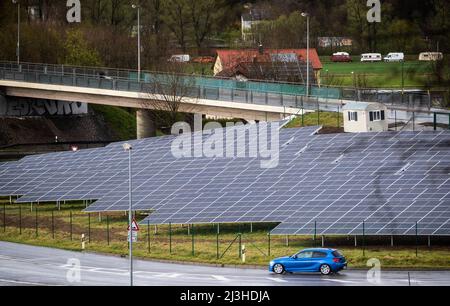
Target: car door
x=316, y=260
x=301, y=261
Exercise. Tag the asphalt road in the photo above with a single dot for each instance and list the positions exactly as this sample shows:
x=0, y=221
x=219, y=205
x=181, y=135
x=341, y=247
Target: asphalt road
x=29, y=265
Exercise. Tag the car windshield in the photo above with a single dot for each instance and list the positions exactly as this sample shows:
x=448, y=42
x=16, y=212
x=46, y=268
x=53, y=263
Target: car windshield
x=337, y=254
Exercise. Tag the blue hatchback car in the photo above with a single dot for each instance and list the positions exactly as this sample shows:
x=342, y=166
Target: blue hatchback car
x=325, y=261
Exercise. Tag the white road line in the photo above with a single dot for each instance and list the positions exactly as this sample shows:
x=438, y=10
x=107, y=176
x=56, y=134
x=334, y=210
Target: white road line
x=340, y=281
x=23, y=282
x=278, y=280
x=221, y=278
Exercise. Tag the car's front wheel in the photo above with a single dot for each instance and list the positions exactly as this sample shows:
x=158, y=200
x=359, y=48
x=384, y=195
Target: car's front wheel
x=278, y=268
x=325, y=270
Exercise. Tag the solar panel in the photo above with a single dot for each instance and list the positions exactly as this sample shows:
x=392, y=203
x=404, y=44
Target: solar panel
x=326, y=184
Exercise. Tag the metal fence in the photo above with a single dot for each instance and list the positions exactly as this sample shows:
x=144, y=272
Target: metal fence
x=214, y=88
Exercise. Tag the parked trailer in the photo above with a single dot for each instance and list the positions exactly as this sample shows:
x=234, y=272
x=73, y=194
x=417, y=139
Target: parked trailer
x=371, y=57
x=431, y=56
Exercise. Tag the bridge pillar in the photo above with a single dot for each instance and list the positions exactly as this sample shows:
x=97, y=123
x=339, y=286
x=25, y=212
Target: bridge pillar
x=195, y=120
x=145, y=126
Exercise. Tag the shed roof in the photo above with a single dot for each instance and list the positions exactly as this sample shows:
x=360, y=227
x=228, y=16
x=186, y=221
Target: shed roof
x=363, y=106
x=231, y=58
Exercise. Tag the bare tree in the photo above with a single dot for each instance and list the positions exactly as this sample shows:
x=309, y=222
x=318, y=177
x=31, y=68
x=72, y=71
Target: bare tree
x=168, y=94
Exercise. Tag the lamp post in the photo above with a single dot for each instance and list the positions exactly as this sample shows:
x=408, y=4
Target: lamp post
x=307, y=52
x=18, y=30
x=138, y=7
x=128, y=148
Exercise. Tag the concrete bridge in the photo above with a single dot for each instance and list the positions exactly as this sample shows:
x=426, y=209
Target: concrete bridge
x=121, y=88
x=251, y=100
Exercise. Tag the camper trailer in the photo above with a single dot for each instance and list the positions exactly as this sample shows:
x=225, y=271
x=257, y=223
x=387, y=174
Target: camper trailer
x=341, y=57
x=431, y=56
x=371, y=57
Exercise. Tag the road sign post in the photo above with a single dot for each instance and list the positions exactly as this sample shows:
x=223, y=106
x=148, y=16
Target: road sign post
x=133, y=232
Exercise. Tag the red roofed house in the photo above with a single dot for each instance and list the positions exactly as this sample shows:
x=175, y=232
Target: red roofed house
x=270, y=64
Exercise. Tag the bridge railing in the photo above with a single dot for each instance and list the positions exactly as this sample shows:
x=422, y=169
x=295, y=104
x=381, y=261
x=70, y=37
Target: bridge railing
x=252, y=91
x=126, y=80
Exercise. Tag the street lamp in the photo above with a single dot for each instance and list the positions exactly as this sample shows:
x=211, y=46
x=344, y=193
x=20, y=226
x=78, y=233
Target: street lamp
x=307, y=52
x=128, y=147
x=18, y=30
x=138, y=7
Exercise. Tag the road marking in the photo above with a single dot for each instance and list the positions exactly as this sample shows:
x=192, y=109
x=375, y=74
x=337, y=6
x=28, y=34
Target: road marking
x=278, y=280
x=340, y=281
x=221, y=278
x=23, y=282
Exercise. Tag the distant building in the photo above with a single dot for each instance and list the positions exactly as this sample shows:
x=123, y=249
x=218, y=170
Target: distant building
x=288, y=65
x=332, y=42
x=249, y=20
x=362, y=117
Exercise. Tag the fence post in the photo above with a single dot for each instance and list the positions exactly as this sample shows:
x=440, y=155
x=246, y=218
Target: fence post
x=435, y=121
x=268, y=241
x=71, y=231
x=318, y=113
x=364, y=239
x=240, y=246
x=338, y=116
x=217, y=241
x=89, y=227
x=315, y=232
x=107, y=229
x=53, y=224
x=36, y=220
x=395, y=119
x=170, y=237
x=4, y=216
x=148, y=236
x=20, y=219
x=193, y=246
x=417, y=242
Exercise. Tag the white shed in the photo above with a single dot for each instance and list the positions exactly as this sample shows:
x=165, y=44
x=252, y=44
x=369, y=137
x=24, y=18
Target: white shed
x=361, y=117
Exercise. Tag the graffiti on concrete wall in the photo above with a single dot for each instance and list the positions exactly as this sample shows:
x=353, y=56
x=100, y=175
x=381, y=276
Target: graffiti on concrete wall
x=17, y=107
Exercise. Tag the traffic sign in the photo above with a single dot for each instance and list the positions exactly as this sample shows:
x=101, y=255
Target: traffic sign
x=134, y=226
x=134, y=236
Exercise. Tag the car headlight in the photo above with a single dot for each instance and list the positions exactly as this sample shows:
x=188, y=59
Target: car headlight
x=272, y=263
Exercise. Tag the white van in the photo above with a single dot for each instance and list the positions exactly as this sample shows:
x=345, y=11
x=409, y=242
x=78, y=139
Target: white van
x=371, y=57
x=431, y=56
x=395, y=57
x=179, y=58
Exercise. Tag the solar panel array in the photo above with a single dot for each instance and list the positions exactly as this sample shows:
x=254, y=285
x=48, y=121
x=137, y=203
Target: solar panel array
x=325, y=184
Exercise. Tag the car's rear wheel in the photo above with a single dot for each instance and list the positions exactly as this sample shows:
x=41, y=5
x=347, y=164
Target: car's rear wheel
x=278, y=268
x=325, y=270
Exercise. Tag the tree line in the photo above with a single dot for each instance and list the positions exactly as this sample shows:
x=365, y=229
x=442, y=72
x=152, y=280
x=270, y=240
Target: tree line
x=106, y=34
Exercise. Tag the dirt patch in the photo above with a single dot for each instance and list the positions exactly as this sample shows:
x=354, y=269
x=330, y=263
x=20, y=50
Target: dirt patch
x=90, y=127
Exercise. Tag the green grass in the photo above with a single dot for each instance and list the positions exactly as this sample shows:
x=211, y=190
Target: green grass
x=325, y=119
x=205, y=247
x=378, y=74
x=122, y=122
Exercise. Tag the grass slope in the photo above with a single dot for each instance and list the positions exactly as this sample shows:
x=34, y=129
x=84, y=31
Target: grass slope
x=122, y=122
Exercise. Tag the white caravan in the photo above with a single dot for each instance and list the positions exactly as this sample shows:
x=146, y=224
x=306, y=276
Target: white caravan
x=371, y=57
x=431, y=56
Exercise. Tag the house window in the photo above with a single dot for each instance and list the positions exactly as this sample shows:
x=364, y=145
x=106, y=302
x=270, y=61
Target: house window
x=376, y=115
x=352, y=116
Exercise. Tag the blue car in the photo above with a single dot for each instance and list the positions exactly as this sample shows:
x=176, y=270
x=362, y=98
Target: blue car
x=325, y=261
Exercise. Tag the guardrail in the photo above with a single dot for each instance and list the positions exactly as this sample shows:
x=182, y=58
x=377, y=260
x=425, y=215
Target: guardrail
x=224, y=89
